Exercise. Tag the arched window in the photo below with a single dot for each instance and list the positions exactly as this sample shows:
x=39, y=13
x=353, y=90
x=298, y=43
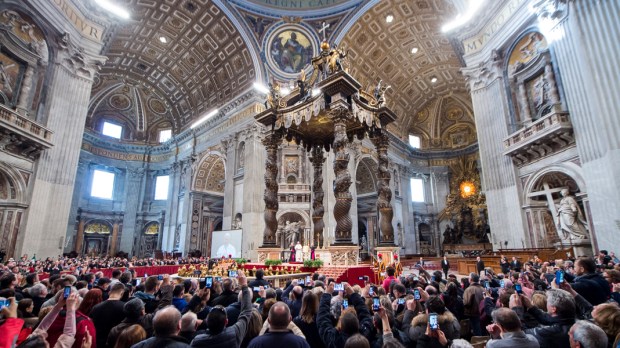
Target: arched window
x=414, y=141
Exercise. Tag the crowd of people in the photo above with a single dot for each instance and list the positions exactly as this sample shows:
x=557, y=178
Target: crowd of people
x=540, y=304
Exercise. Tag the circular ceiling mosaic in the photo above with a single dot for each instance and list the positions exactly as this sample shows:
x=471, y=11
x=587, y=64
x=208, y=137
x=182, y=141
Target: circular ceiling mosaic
x=289, y=50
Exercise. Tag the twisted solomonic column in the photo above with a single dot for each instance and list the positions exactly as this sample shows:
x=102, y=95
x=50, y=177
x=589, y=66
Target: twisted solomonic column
x=344, y=225
x=384, y=206
x=317, y=202
x=271, y=143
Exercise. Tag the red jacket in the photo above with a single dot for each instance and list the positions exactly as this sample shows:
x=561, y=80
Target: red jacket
x=9, y=331
x=82, y=323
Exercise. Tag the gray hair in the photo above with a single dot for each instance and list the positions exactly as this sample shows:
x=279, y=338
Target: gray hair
x=461, y=343
x=37, y=289
x=589, y=335
x=563, y=301
x=188, y=322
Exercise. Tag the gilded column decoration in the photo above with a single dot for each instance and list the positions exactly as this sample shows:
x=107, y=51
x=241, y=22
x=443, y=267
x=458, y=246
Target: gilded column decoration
x=271, y=143
x=317, y=187
x=384, y=206
x=344, y=225
x=79, y=238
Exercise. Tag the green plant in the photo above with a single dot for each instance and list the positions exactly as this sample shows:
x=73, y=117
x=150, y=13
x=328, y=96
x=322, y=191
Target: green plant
x=241, y=260
x=313, y=263
x=273, y=262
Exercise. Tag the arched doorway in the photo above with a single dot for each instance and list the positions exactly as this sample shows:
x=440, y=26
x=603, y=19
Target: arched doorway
x=292, y=228
x=542, y=199
x=366, y=188
x=148, y=239
x=12, y=207
x=96, y=238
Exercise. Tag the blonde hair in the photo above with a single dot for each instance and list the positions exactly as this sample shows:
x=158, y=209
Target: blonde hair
x=607, y=316
x=540, y=301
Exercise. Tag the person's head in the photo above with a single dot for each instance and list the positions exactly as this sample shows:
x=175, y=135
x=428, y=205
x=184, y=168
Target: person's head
x=8, y=281
x=126, y=277
x=134, y=309
x=474, y=278
x=117, y=290
x=435, y=305
x=612, y=276
x=227, y=284
x=399, y=290
x=605, y=315
x=130, y=336
x=461, y=343
x=584, y=334
x=188, y=322
x=266, y=307
x=150, y=284
x=167, y=322
x=357, y=341
x=227, y=238
x=477, y=258
x=38, y=290
x=506, y=319
x=585, y=265
x=217, y=320
x=540, y=300
x=104, y=283
x=560, y=303
x=255, y=324
x=116, y=274
x=260, y=273
x=564, y=192
x=309, y=307
x=297, y=292
x=390, y=271
x=91, y=299
x=279, y=316
x=178, y=291
x=348, y=322
x=25, y=305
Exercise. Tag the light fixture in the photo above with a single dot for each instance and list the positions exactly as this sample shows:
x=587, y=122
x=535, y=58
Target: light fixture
x=414, y=50
x=113, y=8
x=389, y=18
x=316, y=91
x=261, y=88
x=433, y=79
x=204, y=118
x=163, y=39
x=461, y=19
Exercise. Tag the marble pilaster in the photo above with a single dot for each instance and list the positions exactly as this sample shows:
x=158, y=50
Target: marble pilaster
x=253, y=186
x=133, y=178
x=68, y=95
x=500, y=178
x=586, y=49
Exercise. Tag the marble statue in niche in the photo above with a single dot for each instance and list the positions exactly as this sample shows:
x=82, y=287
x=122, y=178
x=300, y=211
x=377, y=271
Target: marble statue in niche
x=571, y=222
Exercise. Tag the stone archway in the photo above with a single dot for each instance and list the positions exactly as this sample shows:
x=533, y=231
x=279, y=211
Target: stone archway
x=291, y=222
x=542, y=197
x=366, y=188
x=12, y=208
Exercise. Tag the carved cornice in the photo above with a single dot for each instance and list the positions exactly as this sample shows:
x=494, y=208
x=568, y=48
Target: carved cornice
x=481, y=75
x=76, y=60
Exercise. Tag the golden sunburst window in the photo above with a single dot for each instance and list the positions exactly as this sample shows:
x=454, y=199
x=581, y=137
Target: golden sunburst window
x=467, y=189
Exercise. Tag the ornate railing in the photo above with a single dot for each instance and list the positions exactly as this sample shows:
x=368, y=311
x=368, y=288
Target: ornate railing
x=549, y=134
x=11, y=118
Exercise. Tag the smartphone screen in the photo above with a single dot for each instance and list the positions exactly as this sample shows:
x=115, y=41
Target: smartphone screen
x=375, y=303
x=67, y=292
x=432, y=321
x=160, y=277
x=401, y=301
x=4, y=303
x=256, y=289
x=371, y=291
x=487, y=285
x=232, y=274
x=218, y=279
x=208, y=282
x=300, y=282
x=308, y=279
x=518, y=289
x=416, y=294
x=345, y=303
x=338, y=287
x=138, y=281
x=501, y=283
x=559, y=277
